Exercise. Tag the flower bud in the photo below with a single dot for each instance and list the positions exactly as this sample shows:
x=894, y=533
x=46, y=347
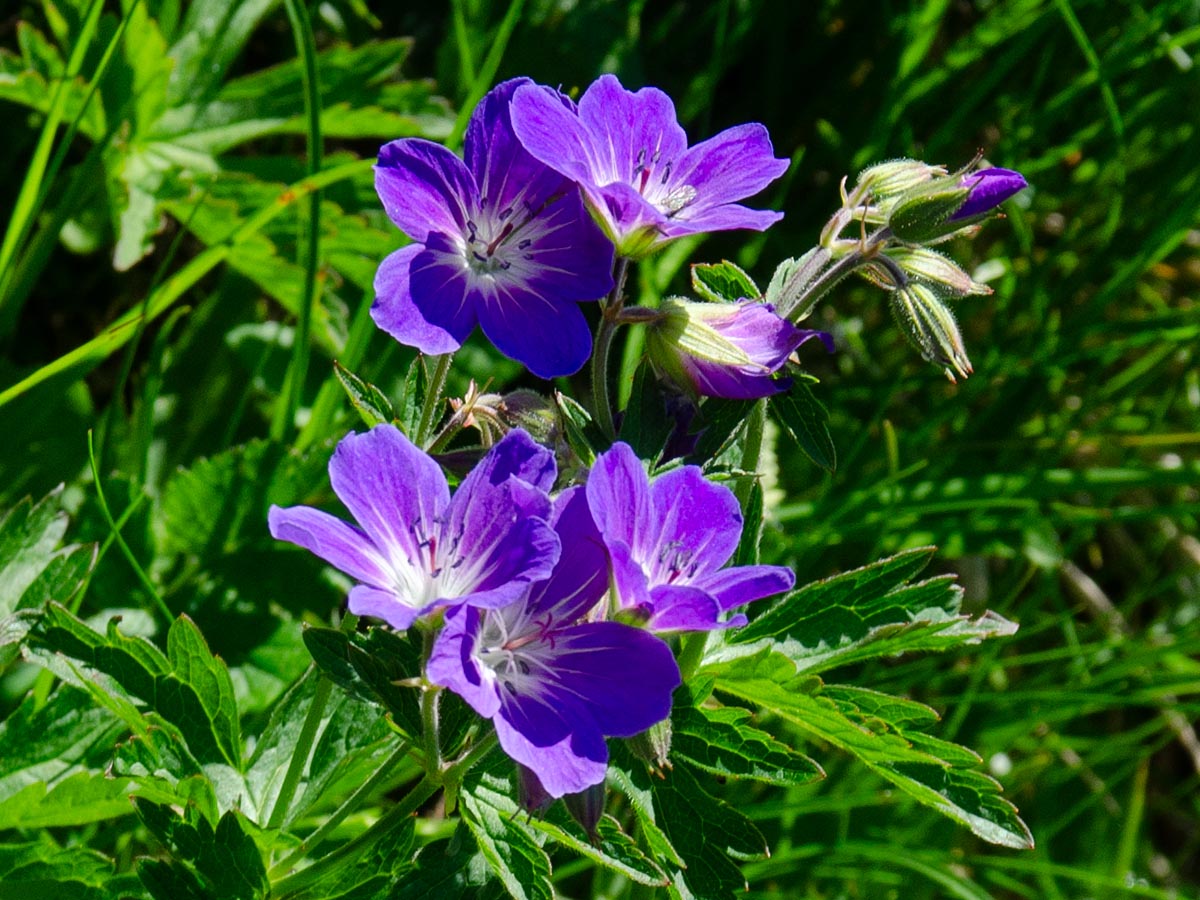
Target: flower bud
x=930, y=327
x=988, y=189
x=653, y=745
x=886, y=179
x=586, y=807
x=532, y=796
x=729, y=350
x=929, y=265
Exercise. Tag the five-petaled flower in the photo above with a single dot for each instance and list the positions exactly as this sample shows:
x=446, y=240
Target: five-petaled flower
x=416, y=548
x=668, y=540
x=500, y=239
x=631, y=156
x=554, y=683
x=729, y=350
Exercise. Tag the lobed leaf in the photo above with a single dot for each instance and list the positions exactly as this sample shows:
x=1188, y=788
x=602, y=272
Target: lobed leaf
x=723, y=282
x=806, y=420
x=505, y=842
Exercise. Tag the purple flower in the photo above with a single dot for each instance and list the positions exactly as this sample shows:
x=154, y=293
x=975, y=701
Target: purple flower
x=500, y=239
x=555, y=684
x=632, y=159
x=989, y=188
x=727, y=350
x=668, y=540
x=415, y=547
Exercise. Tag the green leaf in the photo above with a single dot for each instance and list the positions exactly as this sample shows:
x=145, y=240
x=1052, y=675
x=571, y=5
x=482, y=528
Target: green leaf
x=191, y=689
x=505, y=841
x=450, y=869
x=791, y=277
x=52, y=763
x=807, y=421
x=581, y=433
x=723, y=282
x=723, y=423
x=372, y=869
x=373, y=407
x=699, y=832
x=863, y=614
x=226, y=860
x=965, y=796
x=412, y=401
x=752, y=527
x=33, y=87
x=196, y=666
x=646, y=425
x=41, y=870
x=612, y=848
x=352, y=738
x=29, y=535
x=722, y=742
x=212, y=35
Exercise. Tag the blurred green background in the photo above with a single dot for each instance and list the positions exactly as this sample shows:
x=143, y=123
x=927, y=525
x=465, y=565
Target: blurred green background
x=1061, y=482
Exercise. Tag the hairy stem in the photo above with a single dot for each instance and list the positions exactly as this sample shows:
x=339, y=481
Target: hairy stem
x=611, y=312
x=433, y=398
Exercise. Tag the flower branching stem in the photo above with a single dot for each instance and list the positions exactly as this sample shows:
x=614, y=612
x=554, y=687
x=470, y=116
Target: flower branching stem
x=433, y=398
x=609, y=315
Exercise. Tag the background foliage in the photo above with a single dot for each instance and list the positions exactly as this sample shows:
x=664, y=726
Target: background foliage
x=164, y=267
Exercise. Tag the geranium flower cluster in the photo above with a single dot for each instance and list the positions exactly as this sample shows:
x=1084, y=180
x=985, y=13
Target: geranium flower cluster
x=550, y=606
x=553, y=606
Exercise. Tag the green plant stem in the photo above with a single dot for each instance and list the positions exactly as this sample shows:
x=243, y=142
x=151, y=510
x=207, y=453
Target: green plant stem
x=85, y=357
x=28, y=200
x=325, y=407
x=304, y=741
x=433, y=397
x=285, y=412
x=487, y=73
x=116, y=533
x=609, y=314
x=691, y=653
x=422, y=791
x=756, y=422
x=825, y=282
x=365, y=790
x=430, y=732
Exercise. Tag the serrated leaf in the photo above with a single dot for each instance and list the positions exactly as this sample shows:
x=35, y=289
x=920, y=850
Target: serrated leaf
x=968, y=797
x=41, y=870
x=199, y=709
x=863, y=614
x=373, y=407
x=646, y=425
x=722, y=422
x=34, y=89
x=226, y=860
x=369, y=869
x=722, y=742
x=450, y=869
x=807, y=421
x=195, y=664
x=505, y=842
x=412, y=401
x=581, y=433
x=723, y=282
x=612, y=848
x=29, y=534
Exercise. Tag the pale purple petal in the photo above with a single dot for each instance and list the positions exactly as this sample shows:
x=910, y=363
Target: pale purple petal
x=496, y=524
x=677, y=607
x=395, y=492
x=549, y=337
x=735, y=164
x=711, y=379
x=727, y=217
x=740, y=585
x=452, y=662
x=369, y=601
x=698, y=525
x=573, y=763
x=618, y=492
x=442, y=288
x=395, y=312
x=633, y=132
x=552, y=131
x=424, y=188
x=342, y=546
